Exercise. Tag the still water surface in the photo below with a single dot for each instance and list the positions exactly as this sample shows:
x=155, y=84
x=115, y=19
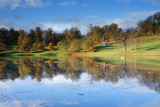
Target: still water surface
x=79, y=82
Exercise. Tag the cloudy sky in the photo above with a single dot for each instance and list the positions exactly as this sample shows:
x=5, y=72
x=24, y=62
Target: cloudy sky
x=62, y=14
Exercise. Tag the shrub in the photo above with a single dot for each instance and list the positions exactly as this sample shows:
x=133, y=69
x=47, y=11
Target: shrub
x=87, y=45
x=59, y=43
x=34, y=45
x=24, y=48
x=50, y=46
x=16, y=48
x=75, y=46
x=2, y=46
x=40, y=46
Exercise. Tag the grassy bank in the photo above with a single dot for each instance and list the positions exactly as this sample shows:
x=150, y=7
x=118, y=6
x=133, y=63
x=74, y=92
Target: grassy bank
x=39, y=54
x=145, y=46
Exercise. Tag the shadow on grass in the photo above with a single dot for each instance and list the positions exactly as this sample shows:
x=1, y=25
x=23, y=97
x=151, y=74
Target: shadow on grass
x=149, y=48
x=100, y=48
x=37, y=51
x=10, y=54
x=49, y=54
x=25, y=55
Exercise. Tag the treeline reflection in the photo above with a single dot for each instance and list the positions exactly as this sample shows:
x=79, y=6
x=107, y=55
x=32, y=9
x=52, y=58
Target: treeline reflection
x=72, y=68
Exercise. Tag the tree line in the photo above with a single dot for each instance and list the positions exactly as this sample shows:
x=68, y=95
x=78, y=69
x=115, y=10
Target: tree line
x=71, y=40
x=151, y=25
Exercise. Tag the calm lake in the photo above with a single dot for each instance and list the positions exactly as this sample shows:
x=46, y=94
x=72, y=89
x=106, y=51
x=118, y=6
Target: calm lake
x=79, y=82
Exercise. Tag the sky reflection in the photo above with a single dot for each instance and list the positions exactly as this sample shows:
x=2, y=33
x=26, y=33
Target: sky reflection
x=76, y=86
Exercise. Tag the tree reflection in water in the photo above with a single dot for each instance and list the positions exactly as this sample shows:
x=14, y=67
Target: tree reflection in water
x=72, y=68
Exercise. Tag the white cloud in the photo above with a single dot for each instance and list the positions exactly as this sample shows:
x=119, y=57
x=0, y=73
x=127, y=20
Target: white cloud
x=7, y=24
x=72, y=22
x=61, y=23
x=155, y=2
x=154, y=103
x=9, y=83
x=13, y=4
x=58, y=79
x=142, y=14
x=37, y=3
x=132, y=85
x=132, y=19
x=26, y=103
x=66, y=3
x=56, y=27
x=125, y=23
x=69, y=102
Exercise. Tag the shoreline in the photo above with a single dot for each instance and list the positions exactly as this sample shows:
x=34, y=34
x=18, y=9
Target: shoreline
x=84, y=54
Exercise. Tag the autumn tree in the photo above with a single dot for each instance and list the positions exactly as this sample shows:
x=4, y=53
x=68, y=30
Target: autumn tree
x=12, y=35
x=87, y=44
x=21, y=36
x=73, y=33
x=2, y=46
x=90, y=31
x=70, y=35
x=65, y=45
x=2, y=41
x=26, y=43
x=32, y=35
x=133, y=40
x=38, y=35
x=106, y=34
x=47, y=37
x=50, y=46
x=124, y=35
x=113, y=31
x=151, y=25
x=3, y=36
x=74, y=45
x=34, y=45
x=97, y=34
x=40, y=46
x=156, y=18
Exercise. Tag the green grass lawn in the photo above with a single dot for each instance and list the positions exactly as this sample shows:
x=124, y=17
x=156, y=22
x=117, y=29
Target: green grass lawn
x=147, y=46
x=151, y=43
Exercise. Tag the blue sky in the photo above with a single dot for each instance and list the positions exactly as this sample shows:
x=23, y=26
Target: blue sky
x=62, y=14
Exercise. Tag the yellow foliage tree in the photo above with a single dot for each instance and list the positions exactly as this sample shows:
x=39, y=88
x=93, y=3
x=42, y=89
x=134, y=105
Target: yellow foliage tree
x=40, y=46
x=50, y=46
x=34, y=45
x=59, y=44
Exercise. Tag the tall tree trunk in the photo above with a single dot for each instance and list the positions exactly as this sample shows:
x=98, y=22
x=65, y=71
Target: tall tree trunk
x=125, y=48
x=104, y=41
